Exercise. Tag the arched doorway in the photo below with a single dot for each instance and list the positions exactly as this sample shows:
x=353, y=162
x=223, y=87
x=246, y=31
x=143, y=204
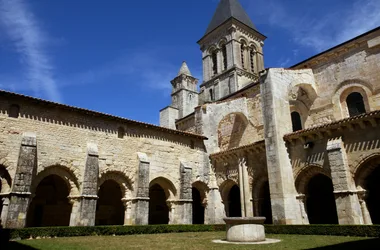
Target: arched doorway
x=265, y=208
x=158, y=209
x=373, y=193
x=50, y=206
x=234, y=206
x=320, y=201
x=109, y=207
x=198, y=209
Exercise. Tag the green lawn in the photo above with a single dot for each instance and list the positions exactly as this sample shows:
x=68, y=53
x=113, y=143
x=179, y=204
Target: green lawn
x=194, y=241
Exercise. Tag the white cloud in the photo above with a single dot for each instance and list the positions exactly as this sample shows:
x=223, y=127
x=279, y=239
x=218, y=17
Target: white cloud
x=319, y=30
x=25, y=32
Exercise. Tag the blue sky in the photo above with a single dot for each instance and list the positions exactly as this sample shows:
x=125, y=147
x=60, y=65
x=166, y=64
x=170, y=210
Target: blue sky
x=118, y=56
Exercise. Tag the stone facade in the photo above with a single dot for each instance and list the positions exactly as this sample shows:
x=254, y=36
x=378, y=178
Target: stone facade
x=297, y=146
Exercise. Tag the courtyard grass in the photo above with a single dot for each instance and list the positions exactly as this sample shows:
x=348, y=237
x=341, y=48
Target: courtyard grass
x=198, y=241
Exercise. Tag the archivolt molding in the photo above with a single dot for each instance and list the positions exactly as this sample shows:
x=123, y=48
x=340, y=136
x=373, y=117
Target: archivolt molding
x=167, y=185
x=353, y=82
x=303, y=176
x=225, y=188
x=5, y=180
x=121, y=179
x=258, y=185
x=62, y=171
x=203, y=190
x=364, y=168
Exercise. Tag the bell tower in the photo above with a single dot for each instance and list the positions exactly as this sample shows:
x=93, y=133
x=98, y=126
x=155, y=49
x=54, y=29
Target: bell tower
x=232, y=52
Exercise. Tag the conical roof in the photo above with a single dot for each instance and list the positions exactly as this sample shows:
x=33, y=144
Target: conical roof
x=229, y=9
x=184, y=69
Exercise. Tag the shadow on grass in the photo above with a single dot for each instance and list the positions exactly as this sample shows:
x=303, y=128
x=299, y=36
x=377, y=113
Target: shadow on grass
x=359, y=244
x=14, y=245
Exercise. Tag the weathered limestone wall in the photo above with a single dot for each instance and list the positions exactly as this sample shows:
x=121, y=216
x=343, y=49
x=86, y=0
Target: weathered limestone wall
x=63, y=136
x=168, y=116
x=352, y=68
x=275, y=87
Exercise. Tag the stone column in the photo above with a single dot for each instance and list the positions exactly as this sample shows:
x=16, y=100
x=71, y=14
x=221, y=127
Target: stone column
x=346, y=199
x=20, y=192
x=362, y=195
x=277, y=123
x=247, y=193
x=75, y=203
x=185, y=214
x=230, y=53
x=127, y=211
x=4, y=210
x=220, y=60
x=86, y=209
x=302, y=201
x=141, y=202
x=207, y=68
x=241, y=186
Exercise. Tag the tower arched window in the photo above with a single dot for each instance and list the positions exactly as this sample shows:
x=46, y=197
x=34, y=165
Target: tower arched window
x=252, y=57
x=214, y=57
x=14, y=111
x=120, y=133
x=224, y=52
x=355, y=104
x=296, y=121
x=242, y=52
x=211, y=95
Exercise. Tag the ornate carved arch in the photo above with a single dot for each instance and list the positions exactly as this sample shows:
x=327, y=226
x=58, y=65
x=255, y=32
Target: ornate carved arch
x=304, y=175
x=167, y=185
x=121, y=179
x=64, y=172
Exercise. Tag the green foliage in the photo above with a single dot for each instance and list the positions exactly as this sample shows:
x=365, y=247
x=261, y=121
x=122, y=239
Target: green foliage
x=47, y=232
x=337, y=230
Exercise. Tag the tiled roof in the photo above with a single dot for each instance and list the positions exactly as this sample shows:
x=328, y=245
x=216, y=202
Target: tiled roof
x=232, y=150
x=104, y=115
x=336, y=124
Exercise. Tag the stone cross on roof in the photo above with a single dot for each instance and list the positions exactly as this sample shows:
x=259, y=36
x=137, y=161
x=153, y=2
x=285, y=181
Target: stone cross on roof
x=229, y=9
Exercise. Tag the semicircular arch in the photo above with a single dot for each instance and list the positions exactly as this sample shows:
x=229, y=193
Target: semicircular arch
x=121, y=179
x=167, y=185
x=303, y=177
x=61, y=171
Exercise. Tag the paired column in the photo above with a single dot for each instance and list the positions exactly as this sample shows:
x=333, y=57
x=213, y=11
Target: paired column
x=19, y=197
x=362, y=195
x=245, y=197
x=302, y=200
x=84, y=206
x=346, y=198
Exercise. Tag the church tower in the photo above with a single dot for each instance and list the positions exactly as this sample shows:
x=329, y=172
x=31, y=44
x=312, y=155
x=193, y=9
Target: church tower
x=184, y=98
x=232, y=52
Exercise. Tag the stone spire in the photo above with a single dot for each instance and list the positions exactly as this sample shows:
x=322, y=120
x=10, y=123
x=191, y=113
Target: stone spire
x=184, y=70
x=229, y=9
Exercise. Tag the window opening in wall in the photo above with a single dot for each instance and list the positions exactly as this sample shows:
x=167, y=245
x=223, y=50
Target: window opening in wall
x=224, y=51
x=211, y=95
x=120, y=133
x=252, y=54
x=214, y=63
x=296, y=121
x=355, y=104
x=242, y=47
x=14, y=111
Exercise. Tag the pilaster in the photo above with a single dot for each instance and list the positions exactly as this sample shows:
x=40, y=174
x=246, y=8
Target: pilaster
x=346, y=198
x=140, y=204
x=84, y=206
x=19, y=197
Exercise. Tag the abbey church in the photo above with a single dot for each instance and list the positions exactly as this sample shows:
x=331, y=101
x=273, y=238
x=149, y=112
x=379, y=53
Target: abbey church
x=298, y=145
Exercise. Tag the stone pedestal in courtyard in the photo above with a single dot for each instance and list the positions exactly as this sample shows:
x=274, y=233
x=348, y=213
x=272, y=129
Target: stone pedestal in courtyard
x=248, y=229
